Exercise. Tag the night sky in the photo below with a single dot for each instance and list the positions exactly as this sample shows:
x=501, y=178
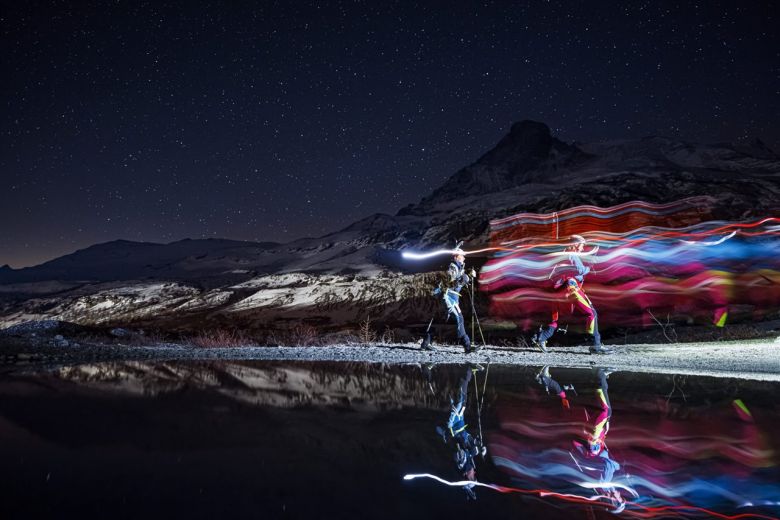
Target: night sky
x=156, y=121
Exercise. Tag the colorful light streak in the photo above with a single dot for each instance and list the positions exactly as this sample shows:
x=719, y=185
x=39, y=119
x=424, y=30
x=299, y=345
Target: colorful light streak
x=637, y=510
x=683, y=460
x=652, y=259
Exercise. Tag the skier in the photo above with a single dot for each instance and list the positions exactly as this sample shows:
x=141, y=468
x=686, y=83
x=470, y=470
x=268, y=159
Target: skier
x=466, y=445
x=570, y=286
x=456, y=280
x=595, y=453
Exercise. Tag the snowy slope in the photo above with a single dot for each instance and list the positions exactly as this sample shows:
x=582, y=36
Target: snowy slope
x=343, y=275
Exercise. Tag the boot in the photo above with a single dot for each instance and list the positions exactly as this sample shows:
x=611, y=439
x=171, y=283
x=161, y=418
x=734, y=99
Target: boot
x=599, y=349
x=425, y=344
x=541, y=344
x=466, y=342
x=539, y=340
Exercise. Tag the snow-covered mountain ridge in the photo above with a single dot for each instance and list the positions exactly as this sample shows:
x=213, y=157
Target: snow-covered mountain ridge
x=337, y=278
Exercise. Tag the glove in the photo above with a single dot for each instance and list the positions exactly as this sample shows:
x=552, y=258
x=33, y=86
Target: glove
x=460, y=458
x=473, y=273
x=437, y=290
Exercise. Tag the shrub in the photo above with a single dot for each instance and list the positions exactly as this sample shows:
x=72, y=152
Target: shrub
x=388, y=336
x=366, y=333
x=220, y=338
x=303, y=335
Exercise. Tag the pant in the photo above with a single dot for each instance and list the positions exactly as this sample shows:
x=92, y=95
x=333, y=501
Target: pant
x=601, y=423
x=456, y=422
x=452, y=303
x=551, y=384
x=463, y=390
x=576, y=300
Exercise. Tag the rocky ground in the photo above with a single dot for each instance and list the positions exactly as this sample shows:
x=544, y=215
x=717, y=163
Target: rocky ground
x=752, y=359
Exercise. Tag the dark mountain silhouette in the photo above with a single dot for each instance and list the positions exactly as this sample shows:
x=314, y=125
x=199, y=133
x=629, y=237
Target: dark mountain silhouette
x=337, y=276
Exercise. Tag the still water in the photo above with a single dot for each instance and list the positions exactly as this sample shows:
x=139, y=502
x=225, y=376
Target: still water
x=327, y=440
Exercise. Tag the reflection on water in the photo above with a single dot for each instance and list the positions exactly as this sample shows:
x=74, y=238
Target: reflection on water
x=306, y=440
x=457, y=433
x=585, y=470
x=703, y=451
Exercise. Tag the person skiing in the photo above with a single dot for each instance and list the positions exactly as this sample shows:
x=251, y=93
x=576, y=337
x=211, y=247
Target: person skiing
x=466, y=445
x=570, y=284
x=457, y=278
x=594, y=452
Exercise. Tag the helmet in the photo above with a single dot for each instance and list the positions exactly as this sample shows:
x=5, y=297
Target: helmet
x=578, y=239
x=458, y=251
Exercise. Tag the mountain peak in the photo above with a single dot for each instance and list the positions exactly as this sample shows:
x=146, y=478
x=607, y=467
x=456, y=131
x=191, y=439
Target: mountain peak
x=528, y=127
x=528, y=153
x=526, y=142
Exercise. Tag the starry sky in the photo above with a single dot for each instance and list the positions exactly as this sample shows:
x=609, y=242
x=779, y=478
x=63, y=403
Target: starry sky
x=157, y=121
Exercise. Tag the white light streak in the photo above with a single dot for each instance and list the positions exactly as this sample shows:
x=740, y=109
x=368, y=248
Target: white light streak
x=715, y=243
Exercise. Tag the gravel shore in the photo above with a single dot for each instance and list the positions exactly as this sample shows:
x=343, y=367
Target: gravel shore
x=759, y=360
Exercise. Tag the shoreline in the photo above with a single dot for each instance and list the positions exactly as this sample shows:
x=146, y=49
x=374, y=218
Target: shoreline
x=756, y=359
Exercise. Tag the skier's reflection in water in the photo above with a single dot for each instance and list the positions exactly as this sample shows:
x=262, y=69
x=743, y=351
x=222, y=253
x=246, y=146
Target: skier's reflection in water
x=455, y=433
x=592, y=456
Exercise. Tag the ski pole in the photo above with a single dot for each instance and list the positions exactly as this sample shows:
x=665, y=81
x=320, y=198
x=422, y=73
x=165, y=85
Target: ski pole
x=429, y=324
x=472, y=306
x=481, y=402
x=474, y=315
x=479, y=411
